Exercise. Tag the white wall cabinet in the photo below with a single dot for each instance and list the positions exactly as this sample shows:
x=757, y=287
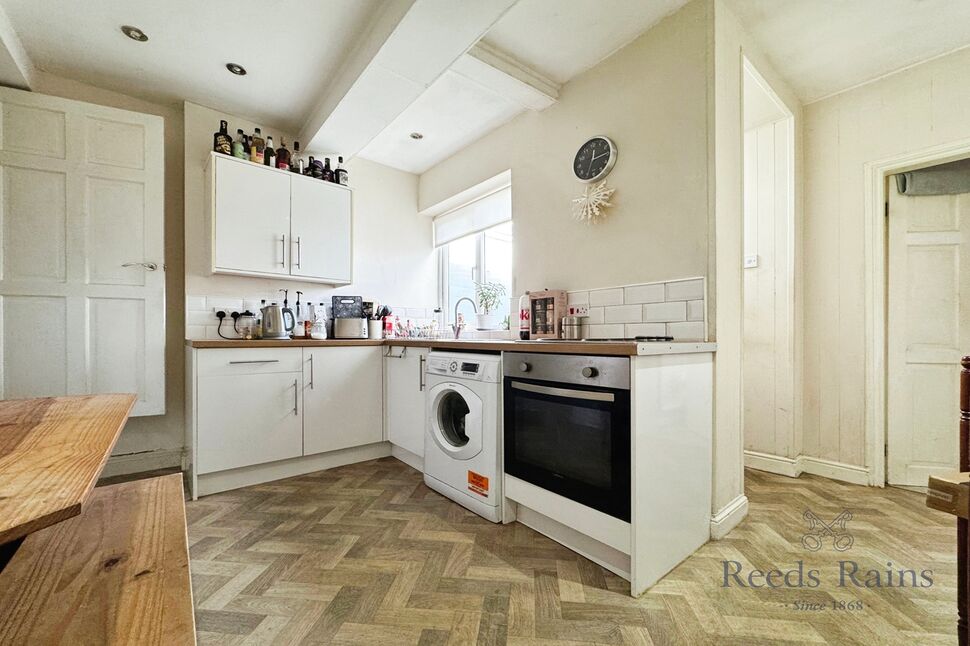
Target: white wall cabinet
x=269, y=222
x=344, y=398
x=404, y=383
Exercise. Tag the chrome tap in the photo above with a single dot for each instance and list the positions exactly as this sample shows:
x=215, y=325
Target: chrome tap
x=454, y=326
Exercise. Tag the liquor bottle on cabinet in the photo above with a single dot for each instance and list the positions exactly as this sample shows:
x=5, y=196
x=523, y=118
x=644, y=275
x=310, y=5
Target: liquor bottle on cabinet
x=340, y=173
x=257, y=146
x=296, y=159
x=327, y=175
x=221, y=141
x=282, y=156
x=239, y=145
x=269, y=153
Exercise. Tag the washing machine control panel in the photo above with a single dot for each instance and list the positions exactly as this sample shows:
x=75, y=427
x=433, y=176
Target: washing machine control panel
x=462, y=368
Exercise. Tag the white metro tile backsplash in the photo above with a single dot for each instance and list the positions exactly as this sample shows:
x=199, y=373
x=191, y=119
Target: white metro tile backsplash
x=670, y=308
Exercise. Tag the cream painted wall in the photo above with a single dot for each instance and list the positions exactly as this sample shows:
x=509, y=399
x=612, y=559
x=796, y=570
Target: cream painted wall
x=920, y=107
x=163, y=433
x=768, y=368
x=394, y=260
x=651, y=99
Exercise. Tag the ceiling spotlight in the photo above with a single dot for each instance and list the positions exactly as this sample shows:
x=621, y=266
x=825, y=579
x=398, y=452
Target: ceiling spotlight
x=416, y=135
x=236, y=69
x=134, y=33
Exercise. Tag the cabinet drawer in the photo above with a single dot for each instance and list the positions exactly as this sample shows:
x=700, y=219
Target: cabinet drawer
x=249, y=361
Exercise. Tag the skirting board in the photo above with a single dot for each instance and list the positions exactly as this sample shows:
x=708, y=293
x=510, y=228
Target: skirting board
x=209, y=483
x=416, y=462
x=125, y=464
x=729, y=517
x=794, y=467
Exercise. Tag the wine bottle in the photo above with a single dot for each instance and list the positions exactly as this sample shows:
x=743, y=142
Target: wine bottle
x=257, y=145
x=282, y=156
x=340, y=173
x=296, y=159
x=239, y=145
x=327, y=174
x=221, y=141
x=269, y=153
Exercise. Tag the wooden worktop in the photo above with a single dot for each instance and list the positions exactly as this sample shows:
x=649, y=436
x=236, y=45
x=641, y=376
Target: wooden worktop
x=613, y=348
x=116, y=574
x=52, y=451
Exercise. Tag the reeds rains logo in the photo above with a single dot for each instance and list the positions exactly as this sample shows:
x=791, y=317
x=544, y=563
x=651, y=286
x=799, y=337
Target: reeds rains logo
x=850, y=573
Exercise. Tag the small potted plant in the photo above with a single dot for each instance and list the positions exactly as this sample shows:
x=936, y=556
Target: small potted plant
x=489, y=294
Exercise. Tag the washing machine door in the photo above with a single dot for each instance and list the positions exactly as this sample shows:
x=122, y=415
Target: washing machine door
x=455, y=423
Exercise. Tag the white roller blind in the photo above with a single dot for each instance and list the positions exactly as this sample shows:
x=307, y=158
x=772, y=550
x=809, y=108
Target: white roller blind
x=476, y=216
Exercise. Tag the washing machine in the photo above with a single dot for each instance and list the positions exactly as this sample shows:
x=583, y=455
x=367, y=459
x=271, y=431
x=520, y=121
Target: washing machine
x=461, y=445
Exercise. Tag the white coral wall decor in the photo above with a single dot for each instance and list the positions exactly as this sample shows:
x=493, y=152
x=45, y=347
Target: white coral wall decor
x=590, y=206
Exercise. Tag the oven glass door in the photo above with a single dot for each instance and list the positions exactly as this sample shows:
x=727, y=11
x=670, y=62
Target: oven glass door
x=571, y=440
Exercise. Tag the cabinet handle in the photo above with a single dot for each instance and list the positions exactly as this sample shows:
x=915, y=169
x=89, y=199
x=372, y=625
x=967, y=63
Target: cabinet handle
x=283, y=244
x=296, y=396
x=311, y=372
x=299, y=253
x=421, y=361
x=256, y=361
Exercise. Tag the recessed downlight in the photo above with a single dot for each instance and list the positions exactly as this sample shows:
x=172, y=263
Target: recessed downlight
x=236, y=69
x=134, y=33
x=416, y=135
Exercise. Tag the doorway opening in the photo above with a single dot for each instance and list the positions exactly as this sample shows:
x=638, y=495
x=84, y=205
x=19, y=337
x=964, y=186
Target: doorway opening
x=927, y=318
x=768, y=304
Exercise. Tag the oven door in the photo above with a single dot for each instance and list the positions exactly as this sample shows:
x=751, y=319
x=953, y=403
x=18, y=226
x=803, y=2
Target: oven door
x=571, y=440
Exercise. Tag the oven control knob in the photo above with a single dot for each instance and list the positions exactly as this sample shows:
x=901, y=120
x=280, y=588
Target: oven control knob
x=525, y=367
x=589, y=373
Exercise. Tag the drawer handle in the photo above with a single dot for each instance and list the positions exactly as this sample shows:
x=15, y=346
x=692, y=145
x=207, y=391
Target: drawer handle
x=256, y=361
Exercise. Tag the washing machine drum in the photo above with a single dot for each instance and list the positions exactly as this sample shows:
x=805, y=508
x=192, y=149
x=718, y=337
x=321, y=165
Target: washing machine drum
x=456, y=420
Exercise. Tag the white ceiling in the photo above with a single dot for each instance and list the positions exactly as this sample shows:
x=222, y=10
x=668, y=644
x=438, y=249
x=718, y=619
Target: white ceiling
x=825, y=46
x=291, y=49
x=561, y=38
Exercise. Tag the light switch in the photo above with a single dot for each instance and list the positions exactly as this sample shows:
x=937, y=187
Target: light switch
x=751, y=261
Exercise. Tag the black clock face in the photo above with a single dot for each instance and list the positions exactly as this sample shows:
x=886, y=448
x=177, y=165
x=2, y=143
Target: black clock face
x=594, y=159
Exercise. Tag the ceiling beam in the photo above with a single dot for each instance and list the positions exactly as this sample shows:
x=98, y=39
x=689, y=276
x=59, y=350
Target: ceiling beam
x=16, y=69
x=503, y=74
x=409, y=45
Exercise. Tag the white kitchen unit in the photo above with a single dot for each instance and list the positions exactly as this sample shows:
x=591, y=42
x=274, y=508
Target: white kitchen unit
x=263, y=221
x=344, y=398
x=257, y=414
x=404, y=405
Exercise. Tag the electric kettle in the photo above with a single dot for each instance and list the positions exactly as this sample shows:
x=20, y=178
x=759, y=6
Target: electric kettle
x=274, y=322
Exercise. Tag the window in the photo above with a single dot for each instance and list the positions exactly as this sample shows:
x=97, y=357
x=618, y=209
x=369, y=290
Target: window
x=480, y=257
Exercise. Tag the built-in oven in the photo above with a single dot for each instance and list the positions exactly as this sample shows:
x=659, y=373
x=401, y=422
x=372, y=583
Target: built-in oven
x=567, y=427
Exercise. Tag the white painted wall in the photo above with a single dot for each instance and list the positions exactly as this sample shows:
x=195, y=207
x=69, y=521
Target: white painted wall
x=768, y=368
x=393, y=255
x=920, y=107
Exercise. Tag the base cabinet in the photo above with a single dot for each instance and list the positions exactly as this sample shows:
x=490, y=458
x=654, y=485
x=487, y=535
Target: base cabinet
x=344, y=398
x=404, y=385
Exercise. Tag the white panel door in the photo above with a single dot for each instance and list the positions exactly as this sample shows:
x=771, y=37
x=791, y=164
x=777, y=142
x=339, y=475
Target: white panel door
x=249, y=419
x=929, y=312
x=404, y=397
x=82, y=277
x=252, y=217
x=344, y=398
x=321, y=225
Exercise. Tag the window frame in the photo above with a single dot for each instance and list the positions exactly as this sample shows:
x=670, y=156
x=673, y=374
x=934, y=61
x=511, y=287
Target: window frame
x=478, y=271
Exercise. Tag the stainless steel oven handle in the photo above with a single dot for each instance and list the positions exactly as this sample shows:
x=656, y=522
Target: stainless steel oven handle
x=564, y=392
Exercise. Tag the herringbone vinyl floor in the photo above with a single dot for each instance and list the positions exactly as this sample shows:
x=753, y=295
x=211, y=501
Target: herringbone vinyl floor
x=366, y=554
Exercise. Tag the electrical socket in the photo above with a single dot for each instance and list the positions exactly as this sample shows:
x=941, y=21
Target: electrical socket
x=578, y=310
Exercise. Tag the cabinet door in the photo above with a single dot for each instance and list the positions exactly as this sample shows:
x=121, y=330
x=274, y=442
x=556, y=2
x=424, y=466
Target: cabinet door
x=404, y=398
x=249, y=419
x=252, y=218
x=344, y=398
x=321, y=226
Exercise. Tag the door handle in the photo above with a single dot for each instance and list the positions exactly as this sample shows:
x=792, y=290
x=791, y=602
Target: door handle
x=299, y=253
x=421, y=361
x=311, y=372
x=296, y=396
x=283, y=244
x=149, y=266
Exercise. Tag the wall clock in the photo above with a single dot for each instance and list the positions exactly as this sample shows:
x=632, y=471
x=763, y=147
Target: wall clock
x=595, y=159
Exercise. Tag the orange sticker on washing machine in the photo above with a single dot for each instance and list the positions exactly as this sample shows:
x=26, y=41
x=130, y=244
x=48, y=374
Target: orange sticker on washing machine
x=477, y=483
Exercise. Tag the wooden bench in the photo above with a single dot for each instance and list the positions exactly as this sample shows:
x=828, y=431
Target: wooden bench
x=118, y=573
